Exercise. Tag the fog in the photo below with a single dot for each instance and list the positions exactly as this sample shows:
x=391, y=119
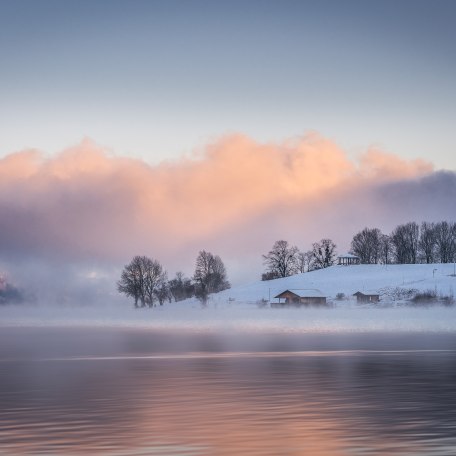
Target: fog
x=190, y=318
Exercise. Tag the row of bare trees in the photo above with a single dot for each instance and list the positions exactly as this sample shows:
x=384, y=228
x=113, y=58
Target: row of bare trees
x=284, y=260
x=408, y=243
x=145, y=280
x=372, y=246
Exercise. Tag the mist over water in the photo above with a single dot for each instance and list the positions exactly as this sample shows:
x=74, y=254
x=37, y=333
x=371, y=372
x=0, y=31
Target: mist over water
x=241, y=319
x=135, y=391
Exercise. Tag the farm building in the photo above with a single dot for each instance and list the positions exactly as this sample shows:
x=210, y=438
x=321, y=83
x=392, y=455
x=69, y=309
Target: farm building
x=298, y=298
x=366, y=297
x=348, y=259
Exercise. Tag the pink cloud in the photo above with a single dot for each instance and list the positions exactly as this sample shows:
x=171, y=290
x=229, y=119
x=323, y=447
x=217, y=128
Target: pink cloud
x=235, y=197
x=376, y=164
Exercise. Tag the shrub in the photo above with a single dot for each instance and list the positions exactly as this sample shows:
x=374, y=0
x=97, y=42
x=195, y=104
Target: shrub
x=425, y=297
x=430, y=297
x=447, y=300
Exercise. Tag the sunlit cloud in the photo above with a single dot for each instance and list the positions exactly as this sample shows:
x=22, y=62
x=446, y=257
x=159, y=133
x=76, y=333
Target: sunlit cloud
x=235, y=196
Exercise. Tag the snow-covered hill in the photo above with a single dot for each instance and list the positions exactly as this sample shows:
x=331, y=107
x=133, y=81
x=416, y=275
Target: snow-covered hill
x=387, y=281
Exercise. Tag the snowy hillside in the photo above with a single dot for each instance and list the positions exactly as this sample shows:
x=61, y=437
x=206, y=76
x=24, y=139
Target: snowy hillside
x=237, y=309
x=384, y=280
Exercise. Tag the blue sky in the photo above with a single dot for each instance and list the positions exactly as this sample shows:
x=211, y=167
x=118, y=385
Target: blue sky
x=156, y=79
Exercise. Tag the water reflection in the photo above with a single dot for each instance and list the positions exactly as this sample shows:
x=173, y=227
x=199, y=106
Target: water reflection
x=91, y=394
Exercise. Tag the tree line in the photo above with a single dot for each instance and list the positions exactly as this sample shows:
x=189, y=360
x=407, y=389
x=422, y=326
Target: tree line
x=146, y=281
x=408, y=243
x=284, y=260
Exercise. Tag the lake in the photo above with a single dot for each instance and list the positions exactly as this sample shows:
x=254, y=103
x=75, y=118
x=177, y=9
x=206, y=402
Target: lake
x=114, y=391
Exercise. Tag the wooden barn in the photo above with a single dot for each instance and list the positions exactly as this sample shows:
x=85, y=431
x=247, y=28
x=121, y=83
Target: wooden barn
x=299, y=298
x=366, y=297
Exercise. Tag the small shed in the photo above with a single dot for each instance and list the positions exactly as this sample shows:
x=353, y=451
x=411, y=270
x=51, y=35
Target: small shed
x=366, y=297
x=348, y=259
x=298, y=298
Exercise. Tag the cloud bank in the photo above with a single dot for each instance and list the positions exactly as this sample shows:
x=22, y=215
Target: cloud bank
x=235, y=197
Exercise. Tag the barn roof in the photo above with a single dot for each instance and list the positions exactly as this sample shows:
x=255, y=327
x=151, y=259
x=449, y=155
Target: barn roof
x=359, y=293
x=303, y=293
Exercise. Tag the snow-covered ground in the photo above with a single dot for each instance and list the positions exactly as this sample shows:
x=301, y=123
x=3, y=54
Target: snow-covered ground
x=350, y=279
x=238, y=309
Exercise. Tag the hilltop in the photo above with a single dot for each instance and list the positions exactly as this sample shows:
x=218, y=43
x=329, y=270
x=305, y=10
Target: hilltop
x=390, y=281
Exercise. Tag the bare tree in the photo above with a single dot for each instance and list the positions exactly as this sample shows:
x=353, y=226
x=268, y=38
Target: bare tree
x=386, y=249
x=181, y=287
x=453, y=242
x=367, y=245
x=427, y=242
x=163, y=293
x=210, y=275
x=324, y=253
x=405, y=241
x=304, y=261
x=445, y=237
x=140, y=279
x=282, y=260
x=155, y=279
x=131, y=281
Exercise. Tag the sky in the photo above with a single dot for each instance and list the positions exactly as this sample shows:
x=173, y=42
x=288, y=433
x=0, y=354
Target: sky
x=157, y=79
x=166, y=127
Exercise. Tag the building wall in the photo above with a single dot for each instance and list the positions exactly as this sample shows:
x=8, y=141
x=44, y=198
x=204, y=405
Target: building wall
x=294, y=301
x=368, y=298
x=289, y=297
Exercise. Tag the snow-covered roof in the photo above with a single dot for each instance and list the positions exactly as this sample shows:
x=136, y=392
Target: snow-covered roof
x=347, y=255
x=304, y=292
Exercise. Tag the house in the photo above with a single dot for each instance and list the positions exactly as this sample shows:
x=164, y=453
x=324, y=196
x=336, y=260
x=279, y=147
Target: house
x=348, y=259
x=365, y=298
x=298, y=298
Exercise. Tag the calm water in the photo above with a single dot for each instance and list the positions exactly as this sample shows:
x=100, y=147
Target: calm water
x=115, y=392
